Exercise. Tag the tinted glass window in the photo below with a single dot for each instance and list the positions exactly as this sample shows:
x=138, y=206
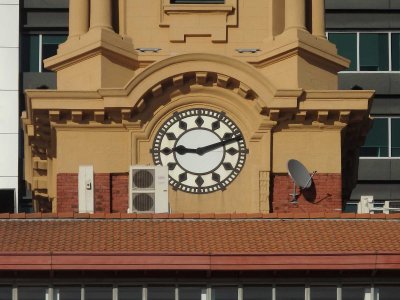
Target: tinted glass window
x=323, y=292
x=290, y=292
x=387, y=292
x=374, y=52
x=32, y=293
x=129, y=293
x=355, y=292
x=257, y=292
x=192, y=293
x=6, y=292
x=30, y=53
x=67, y=292
x=395, y=52
x=161, y=293
x=346, y=44
x=395, y=138
x=376, y=143
x=50, y=45
x=224, y=293
x=98, y=293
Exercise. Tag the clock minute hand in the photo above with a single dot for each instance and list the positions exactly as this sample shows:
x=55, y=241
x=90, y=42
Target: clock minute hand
x=205, y=149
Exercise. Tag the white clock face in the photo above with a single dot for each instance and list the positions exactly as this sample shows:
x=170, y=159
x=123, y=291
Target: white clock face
x=203, y=149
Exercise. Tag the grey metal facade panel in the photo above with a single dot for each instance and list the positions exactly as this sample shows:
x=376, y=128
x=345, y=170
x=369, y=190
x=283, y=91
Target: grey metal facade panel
x=46, y=19
x=358, y=4
x=46, y=4
x=385, y=106
x=33, y=80
x=362, y=20
x=395, y=169
x=379, y=191
x=395, y=4
x=380, y=82
x=374, y=169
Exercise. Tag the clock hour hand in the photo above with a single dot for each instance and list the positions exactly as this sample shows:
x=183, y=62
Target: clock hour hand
x=205, y=149
x=183, y=150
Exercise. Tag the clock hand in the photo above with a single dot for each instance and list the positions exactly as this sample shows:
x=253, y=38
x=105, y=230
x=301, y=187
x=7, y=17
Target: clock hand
x=183, y=150
x=205, y=149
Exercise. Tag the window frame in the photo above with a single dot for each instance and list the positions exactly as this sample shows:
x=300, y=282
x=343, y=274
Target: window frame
x=358, y=33
x=143, y=284
x=40, y=47
x=389, y=139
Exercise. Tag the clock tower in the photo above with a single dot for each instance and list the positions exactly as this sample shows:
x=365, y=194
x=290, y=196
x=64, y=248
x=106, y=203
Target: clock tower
x=221, y=94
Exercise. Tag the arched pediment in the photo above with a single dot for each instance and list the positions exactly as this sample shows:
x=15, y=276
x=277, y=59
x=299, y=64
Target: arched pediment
x=200, y=68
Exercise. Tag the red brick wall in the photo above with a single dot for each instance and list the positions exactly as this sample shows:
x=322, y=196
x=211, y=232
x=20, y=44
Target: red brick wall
x=102, y=192
x=110, y=192
x=325, y=195
x=119, y=193
x=67, y=192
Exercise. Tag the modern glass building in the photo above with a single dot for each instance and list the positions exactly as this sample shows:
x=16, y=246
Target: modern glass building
x=367, y=33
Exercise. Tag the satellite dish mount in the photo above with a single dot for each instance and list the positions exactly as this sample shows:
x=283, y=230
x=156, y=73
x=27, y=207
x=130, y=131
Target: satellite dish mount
x=300, y=176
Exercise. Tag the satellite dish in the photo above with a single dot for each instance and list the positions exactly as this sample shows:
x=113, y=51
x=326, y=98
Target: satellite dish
x=300, y=176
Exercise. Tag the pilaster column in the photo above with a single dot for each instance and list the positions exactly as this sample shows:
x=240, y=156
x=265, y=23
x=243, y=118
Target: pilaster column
x=295, y=14
x=101, y=14
x=318, y=18
x=78, y=17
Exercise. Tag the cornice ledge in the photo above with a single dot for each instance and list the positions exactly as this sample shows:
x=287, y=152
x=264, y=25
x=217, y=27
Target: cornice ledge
x=286, y=99
x=51, y=94
x=75, y=53
x=304, y=45
x=338, y=100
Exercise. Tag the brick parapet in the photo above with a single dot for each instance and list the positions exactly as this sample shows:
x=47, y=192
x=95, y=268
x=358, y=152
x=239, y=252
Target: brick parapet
x=325, y=194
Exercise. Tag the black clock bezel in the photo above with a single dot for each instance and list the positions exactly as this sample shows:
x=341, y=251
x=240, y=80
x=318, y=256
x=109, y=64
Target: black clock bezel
x=218, y=116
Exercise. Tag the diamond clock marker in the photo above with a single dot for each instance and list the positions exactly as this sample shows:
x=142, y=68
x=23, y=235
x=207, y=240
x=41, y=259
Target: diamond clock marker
x=216, y=177
x=182, y=125
x=166, y=151
x=199, y=121
x=171, y=136
x=227, y=166
x=199, y=181
x=171, y=166
x=182, y=177
x=232, y=151
x=227, y=136
x=215, y=125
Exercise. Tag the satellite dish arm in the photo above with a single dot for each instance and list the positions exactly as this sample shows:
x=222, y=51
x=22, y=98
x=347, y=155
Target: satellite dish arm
x=309, y=180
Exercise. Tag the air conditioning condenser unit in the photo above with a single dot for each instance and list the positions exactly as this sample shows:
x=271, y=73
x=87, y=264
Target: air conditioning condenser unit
x=148, y=189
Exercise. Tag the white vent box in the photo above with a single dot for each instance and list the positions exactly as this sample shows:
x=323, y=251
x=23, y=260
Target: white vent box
x=148, y=189
x=85, y=189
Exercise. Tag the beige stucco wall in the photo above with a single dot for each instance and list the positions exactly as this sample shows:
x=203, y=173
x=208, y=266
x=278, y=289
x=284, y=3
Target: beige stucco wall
x=319, y=150
x=106, y=149
x=112, y=98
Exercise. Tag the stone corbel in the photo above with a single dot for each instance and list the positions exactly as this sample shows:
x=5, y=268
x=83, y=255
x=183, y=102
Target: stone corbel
x=141, y=105
x=244, y=91
x=344, y=116
x=76, y=116
x=126, y=114
x=54, y=116
x=222, y=80
x=201, y=78
x=99, y=116
x=178, y=80
x=323, y=116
